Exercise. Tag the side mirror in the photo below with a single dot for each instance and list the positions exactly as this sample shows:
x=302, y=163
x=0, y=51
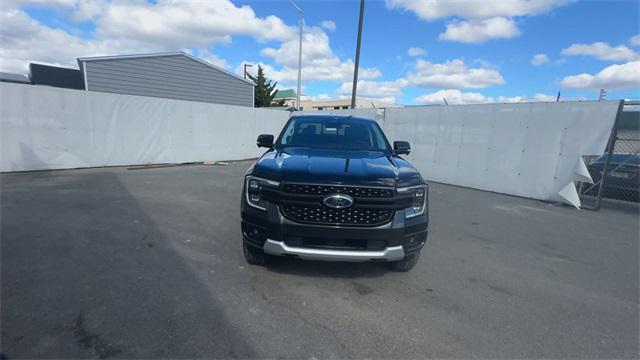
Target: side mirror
x=401, y=147
x=265, y=140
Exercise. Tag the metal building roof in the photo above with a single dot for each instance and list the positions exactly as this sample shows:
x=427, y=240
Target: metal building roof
x=56, y=76
x=14, y=78
x=285, y=94
x=155, y=55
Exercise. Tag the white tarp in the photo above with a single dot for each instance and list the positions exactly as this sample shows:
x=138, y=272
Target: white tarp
x=53, y=128
x=527, y=149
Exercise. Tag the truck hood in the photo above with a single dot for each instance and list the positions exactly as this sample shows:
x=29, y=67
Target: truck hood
x=306, y=165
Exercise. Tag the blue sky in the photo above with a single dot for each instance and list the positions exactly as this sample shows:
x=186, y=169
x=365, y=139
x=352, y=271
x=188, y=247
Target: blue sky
x=463, y=50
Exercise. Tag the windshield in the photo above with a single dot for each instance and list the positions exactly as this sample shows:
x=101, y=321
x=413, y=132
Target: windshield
x=630, y=159
x=333, y=133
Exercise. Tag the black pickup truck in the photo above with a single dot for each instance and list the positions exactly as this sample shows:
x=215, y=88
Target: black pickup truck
x=332, y=188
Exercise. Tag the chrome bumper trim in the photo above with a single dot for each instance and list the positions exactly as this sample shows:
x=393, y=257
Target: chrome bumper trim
x=274, y=247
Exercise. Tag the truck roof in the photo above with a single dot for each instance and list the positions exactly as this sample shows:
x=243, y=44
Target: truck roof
x=333, y=116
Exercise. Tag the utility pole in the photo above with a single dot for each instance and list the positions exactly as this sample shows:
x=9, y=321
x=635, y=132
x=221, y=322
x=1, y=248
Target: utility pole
x=603, y=93
x=299, y=55
x=357, y=64
x=245, y=70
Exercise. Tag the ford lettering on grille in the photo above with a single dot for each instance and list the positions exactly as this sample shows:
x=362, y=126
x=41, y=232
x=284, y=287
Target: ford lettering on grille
x=338, y=201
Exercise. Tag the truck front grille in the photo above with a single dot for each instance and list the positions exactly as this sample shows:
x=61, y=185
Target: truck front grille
x=319, y=214
x=372, y=206
x=353, y=191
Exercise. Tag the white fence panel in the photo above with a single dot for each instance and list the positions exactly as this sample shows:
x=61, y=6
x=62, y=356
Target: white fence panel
x=53, y=128
x=527, y=149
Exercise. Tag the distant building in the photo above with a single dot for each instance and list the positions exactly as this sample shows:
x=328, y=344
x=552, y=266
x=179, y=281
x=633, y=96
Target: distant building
x=286, y=97
x=14, y=78
x=167, y=75
x=56, y=76
x=344, y=104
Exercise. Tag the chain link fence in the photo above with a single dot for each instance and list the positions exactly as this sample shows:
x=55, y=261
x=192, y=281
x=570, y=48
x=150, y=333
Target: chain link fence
x=616, y=173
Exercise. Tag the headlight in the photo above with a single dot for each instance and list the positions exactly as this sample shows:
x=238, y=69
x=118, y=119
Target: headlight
x=253, y=191
x=420, y=195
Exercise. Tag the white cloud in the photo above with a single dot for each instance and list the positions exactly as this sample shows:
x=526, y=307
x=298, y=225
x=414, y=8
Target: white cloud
x=490, y=19
x=59, y=4
x=614, y=77
x=479, y=31
x=23, y=39
x=511, y=99
x=123, y=27
x=388, y=91
x=539, y=59
x=416, y=51
x=329, y=25
x=88, y=9
x=474, y=9
x=319, y=62
x=315, y=46
x=602, y=51
x=319, y=97
x=452, y=97
x=171, y=23
x=210, y=57
x=80, y=10
x=544, y=97
x=453, y=74
x=635, y=40
x=190, y=23
x=129, y=27
x=457, y=97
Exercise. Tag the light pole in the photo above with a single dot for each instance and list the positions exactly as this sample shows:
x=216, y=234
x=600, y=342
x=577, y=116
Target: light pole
x=603, y=93
x=357, y=64
x=299, y=55
x=245, y=70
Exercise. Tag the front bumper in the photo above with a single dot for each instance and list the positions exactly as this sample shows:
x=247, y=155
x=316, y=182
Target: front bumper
x=274, y=247
x=270, y=230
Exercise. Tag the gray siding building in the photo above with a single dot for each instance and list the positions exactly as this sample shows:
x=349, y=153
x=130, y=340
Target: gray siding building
x=168, y=75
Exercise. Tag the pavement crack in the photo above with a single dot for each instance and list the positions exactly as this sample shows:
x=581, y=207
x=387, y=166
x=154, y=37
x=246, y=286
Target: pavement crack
x=88, y=340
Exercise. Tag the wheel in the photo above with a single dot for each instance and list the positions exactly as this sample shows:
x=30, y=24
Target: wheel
x=254, y=255
x=406, y=264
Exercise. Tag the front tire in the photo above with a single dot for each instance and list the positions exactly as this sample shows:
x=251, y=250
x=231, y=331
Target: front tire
x=406, y=264
x=254, y=255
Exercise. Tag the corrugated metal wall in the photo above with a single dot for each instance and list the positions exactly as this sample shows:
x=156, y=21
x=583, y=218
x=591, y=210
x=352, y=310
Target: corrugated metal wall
x=172, y=77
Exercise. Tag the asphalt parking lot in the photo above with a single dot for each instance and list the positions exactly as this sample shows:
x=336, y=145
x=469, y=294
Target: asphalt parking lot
x=148, y=263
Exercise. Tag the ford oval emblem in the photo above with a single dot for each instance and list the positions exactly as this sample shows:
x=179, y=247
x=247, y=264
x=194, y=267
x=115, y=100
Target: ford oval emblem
x=338, y=201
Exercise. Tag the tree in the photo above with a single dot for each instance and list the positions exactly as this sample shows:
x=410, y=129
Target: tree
x=264, y=90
